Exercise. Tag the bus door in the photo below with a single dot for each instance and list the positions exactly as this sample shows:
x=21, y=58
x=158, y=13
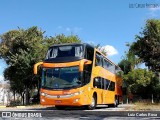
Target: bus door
x=98, y=85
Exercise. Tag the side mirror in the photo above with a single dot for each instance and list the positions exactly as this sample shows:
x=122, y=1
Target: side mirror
x=82, y=63
x=36, y=66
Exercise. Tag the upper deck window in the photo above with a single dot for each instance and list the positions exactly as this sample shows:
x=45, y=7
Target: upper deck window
x=98, y=59
x=65, y=51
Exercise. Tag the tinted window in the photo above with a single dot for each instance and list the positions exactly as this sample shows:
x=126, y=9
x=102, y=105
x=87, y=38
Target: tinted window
x=98, y=60
x=89, y=53
x=108, y=65
x=87, y=77
x=102, y=83
x=97, y=82
x=112, y=86
x=87, y=73
x=65, y=51
x=105, y=63
x=107, y=84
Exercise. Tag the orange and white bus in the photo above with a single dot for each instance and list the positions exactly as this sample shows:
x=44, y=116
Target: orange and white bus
x=78, y=75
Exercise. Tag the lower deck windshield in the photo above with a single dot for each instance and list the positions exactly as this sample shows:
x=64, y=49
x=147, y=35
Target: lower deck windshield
x=61, y=78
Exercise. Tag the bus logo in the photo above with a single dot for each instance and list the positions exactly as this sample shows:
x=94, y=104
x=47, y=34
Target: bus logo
x=58, y=96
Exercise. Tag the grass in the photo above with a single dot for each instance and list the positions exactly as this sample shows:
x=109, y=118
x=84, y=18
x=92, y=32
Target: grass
x=144, y=106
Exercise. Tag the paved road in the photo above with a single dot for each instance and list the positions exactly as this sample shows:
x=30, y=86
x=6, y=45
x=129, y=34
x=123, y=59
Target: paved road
x=100, y=113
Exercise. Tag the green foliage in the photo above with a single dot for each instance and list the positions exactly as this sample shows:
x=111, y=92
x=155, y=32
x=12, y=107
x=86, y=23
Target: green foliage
x=138, y=80
x=146, y=49
x=21, y=49
x=130, y=61
x=125, y=65
x=15, y=103
x=147, y=46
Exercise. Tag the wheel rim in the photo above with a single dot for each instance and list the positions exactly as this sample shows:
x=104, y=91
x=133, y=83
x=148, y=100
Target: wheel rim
x=93, y=102
x=115, y=102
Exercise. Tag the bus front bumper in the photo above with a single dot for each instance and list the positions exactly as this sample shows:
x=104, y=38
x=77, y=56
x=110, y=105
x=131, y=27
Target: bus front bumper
x=68, y=100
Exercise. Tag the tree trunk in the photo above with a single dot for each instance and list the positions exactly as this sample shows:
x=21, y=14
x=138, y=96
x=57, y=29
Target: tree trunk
x=23, y=98
x=27, y=94
x=14, y=95
x=152, y=99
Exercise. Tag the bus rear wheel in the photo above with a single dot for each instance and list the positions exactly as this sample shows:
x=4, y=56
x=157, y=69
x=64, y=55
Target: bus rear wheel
x=60, y=107
x=93, y=103
x=115, y=104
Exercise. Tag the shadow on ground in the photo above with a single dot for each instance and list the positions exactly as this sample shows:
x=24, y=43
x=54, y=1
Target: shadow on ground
x=99, y=107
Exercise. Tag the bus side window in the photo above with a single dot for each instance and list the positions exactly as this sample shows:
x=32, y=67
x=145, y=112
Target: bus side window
x=107, y=84
x=97, y=82
x=87, y=73
x=104, y=64
x=112, y=86
x=89, y=53
x=87, y=77
x=98, y=60
x=102, y=83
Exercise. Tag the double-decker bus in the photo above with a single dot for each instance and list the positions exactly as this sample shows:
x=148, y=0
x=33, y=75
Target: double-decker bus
x=77, y=74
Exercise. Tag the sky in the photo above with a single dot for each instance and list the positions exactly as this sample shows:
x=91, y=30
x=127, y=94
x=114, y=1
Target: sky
x=110, y=23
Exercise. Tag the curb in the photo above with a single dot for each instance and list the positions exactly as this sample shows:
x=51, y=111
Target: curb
x=20, y=106
x=2, y=106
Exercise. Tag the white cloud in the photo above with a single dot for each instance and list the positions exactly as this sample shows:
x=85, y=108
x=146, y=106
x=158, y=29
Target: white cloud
x=110, y=50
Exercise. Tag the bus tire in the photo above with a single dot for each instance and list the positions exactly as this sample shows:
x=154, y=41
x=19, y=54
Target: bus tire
x=93, y=103
x=60, y=107
x=115, y=104
x=117, y=100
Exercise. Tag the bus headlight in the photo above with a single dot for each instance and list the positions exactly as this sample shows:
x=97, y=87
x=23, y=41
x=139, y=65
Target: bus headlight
x=78, y=93
x=43, y=94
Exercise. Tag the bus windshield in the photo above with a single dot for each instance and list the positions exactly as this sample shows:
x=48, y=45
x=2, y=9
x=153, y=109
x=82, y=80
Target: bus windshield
x=65, y=51
x=61, y=78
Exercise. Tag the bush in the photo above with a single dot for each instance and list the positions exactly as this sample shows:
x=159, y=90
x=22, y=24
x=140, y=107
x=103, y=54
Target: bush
x=15, y=103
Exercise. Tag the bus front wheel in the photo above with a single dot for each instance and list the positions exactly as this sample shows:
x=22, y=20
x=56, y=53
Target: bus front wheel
x=93, y=103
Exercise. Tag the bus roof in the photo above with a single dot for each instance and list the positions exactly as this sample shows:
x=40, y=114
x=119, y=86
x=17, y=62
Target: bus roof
x=86, y=45
x=72, y=44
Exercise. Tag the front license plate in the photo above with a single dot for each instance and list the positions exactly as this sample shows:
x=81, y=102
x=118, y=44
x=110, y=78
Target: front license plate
x=58, y=101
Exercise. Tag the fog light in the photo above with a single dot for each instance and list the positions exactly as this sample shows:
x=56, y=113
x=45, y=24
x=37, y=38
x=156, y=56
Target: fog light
x=42, y=100
x=76, y=100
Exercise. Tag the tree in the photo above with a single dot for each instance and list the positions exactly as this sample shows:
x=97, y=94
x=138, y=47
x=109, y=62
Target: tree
x=130, y=61
x=21, y=49
x=138, y=81
x=125, y=65
x=147, y=45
